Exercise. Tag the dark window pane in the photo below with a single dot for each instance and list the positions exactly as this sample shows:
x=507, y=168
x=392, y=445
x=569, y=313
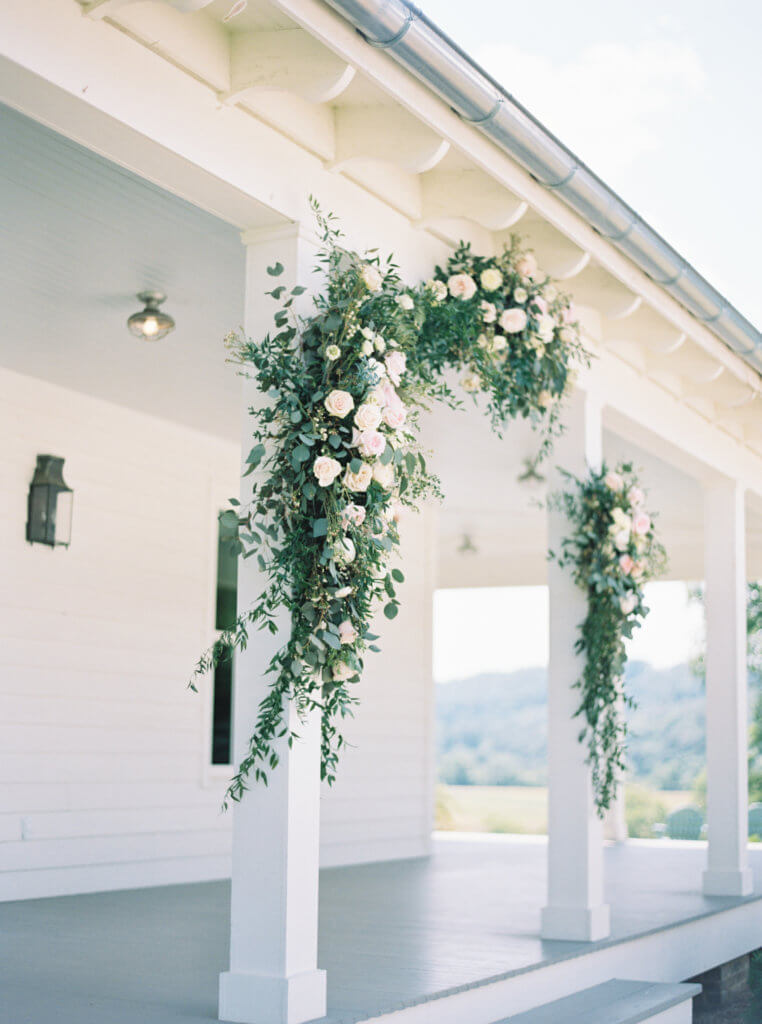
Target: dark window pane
x=221, y=727
x=227, y=577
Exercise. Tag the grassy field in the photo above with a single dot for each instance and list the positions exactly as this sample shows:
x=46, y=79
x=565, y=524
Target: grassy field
x=524, y=808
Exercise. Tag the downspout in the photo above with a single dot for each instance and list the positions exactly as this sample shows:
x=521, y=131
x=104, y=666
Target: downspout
x=423, y=49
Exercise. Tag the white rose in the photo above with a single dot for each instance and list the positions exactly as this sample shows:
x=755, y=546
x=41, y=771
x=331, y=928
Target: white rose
x=347, y=632
x=405, y=301
x=438, y=289
x=628, y=603
x=345, y=551
x=491, y=279
x=471, y=382
x=545, y=326
x=567, y=335
x=622, y=540
x=513, y=320
x=482, y=341
x=371, y=278
x=550, y=293
x=520, y=295
x=339, y=404
x=383, y=475
x=326, y=470
x=380, y=344
x=396, y=364
x=368, y=333
x=368, y=416
x=499, y=342
x=332, y=352
x=367, y=348
x=359, y=481
x=341, y=671
x=489, y=312
x=462, y=286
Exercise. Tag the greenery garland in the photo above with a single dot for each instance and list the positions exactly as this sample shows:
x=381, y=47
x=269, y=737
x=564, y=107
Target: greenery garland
x=612, y=552
x=337, y=457
x=504, y=324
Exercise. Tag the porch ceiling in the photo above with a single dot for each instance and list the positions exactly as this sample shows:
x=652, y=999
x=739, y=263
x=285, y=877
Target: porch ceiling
x=81, y=236
x=303, y=70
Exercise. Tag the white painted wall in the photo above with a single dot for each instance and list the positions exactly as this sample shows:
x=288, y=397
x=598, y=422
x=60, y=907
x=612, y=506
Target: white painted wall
x=103, y=774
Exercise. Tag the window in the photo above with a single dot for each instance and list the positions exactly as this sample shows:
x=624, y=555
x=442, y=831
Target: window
x=225, y=615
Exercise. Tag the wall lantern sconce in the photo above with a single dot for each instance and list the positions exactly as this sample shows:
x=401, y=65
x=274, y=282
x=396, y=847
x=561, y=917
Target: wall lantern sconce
x=151, y=323
x=50, y=504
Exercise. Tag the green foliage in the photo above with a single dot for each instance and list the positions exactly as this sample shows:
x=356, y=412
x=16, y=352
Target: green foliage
x=612, y=551
x=335, y=458
x=503, y=323
x=322, y=517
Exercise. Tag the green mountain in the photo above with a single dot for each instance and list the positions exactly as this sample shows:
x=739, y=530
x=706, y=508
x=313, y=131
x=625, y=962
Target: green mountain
x=492, y=728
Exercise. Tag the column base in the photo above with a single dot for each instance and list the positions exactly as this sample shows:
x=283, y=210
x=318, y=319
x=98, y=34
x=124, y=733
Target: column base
x=728, y=883
x=258, y=999
x=576, y=924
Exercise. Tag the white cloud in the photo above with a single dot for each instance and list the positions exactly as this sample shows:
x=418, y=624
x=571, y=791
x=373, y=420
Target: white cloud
x=611, y=103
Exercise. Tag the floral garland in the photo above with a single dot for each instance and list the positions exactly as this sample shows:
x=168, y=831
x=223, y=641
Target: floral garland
x=338, y=459
x=612, y=551
x=503, y=322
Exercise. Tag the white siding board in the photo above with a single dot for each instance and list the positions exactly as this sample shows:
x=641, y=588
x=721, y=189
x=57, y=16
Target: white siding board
x=103, y=782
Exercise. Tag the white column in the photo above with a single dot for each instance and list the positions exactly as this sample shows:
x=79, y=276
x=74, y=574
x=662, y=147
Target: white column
x=273, y=976
x=575, y=908
x=727, y=871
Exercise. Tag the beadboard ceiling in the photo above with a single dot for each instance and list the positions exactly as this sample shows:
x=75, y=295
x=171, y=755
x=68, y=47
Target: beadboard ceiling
x=80, y=237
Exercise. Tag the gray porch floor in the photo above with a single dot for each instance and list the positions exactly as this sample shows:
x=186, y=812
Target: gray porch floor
x=390, y=934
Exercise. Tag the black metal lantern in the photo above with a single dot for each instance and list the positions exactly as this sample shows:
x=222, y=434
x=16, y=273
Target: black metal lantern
x=50, y=504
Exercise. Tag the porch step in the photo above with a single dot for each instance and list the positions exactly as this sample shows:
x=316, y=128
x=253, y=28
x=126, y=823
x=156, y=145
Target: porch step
x=616, y=1002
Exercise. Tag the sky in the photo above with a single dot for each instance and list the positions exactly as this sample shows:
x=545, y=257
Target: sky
x=661, y=100
x=501, y=629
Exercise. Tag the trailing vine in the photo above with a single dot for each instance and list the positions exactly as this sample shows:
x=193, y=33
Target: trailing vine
x=336, y=460
x=612, y=551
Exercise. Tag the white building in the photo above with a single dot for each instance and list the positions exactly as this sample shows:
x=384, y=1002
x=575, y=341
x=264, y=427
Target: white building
x=149, y=144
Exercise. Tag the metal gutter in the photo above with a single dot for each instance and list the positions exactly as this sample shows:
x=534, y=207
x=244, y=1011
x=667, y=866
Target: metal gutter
x=428, y=53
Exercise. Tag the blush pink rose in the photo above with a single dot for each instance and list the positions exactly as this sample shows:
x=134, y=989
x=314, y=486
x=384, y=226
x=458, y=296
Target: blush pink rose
x=641, y=523
x=526, y=267
x=395, y=416
x=513, y=320
x=539, y=303
x=462, y=286
x=352, y=514
x=372, y=442
x=626, y=564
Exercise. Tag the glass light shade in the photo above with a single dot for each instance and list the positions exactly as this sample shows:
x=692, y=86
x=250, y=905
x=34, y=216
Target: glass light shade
x=151, y=323
x=50, y=504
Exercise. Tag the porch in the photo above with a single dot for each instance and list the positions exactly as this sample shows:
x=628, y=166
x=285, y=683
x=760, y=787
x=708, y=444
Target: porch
x=461, y=927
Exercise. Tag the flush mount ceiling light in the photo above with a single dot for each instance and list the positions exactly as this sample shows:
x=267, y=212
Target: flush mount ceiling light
x=151, y=323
